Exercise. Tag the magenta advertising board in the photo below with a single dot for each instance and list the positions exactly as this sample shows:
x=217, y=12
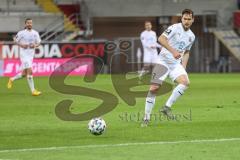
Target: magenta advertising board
x=44, y=67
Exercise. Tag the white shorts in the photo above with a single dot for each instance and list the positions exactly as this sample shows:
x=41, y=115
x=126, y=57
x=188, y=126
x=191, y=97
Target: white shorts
x=150, y=58
x=173, y=71
x=26, y=60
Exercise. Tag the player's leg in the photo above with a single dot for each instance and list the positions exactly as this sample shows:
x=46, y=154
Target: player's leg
x=179, y=75
x=150, y=101
x=30, y=79
x=31, y=83
x=28, y=66
x=159, y=74
x=16, y=77
x=182, y=85
x=179, y=90
x=146, y=65
x=145, y=70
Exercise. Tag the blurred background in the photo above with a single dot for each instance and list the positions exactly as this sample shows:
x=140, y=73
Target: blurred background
x=73, y=27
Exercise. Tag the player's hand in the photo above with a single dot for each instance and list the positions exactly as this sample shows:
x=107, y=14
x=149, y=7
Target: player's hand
x=153, y=47
x=14, y=38
x=32, y=45
x=176, y=55
x=25, y=46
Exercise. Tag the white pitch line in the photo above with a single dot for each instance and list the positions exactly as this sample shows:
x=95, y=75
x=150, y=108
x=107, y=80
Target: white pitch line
x=119, y=145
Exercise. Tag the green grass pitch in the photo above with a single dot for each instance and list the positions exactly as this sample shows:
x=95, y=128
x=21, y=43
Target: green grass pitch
x=30, y=130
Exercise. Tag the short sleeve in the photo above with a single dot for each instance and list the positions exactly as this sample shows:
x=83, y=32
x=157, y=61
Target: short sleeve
x=18, y=37
x=188, y=48
x=170, y=31
x=38, y=39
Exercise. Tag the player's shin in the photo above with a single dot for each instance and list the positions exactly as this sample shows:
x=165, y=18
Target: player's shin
x=177, y=92
x=150, y=101
x=17, y=76
x=30, y=82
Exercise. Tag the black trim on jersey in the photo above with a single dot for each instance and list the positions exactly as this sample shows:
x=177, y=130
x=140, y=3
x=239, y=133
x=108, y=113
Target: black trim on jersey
x=168, y=31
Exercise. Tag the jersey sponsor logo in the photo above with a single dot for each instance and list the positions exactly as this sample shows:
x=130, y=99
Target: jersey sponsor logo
x=181, y=46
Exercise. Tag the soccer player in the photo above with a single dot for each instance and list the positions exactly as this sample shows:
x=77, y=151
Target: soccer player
x=27, y=39
x=176, y=41
x=150, y=45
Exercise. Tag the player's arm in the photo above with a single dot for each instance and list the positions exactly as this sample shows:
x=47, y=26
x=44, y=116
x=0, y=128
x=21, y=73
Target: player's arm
x=185, y=59
x=163, y=40
x=25, y=46
x=35, y=45
x=158, y=45
x=37, y=42
x=17, y=40
x=186, y=54
x=144, y=42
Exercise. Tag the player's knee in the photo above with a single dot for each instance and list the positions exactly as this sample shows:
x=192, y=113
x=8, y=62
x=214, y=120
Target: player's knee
x=29, y=72
x=154, y=88
x=24, y=74
x=185, y=82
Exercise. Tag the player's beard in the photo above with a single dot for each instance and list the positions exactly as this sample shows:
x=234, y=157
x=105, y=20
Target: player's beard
x=29, y=27
x=186, y=27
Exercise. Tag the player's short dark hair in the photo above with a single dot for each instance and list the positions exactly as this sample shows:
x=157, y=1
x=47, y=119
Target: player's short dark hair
x=187, y=11
x=27, y=19
x=147, y=22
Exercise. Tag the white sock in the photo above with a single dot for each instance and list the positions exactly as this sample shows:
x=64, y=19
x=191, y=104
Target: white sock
x=177, y=92
x=150, y=101
x=30, y=82
x=143, y=72
x=17, y=76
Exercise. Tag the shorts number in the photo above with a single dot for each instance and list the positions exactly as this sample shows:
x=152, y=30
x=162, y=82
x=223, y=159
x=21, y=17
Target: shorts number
x=153, y=75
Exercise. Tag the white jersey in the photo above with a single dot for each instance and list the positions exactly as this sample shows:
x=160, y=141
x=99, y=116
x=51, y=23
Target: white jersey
x=149, y=39
x=179, y=39
x=27, y=37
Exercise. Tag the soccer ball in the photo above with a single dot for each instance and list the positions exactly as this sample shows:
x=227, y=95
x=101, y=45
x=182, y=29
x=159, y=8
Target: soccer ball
x=97, y=126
